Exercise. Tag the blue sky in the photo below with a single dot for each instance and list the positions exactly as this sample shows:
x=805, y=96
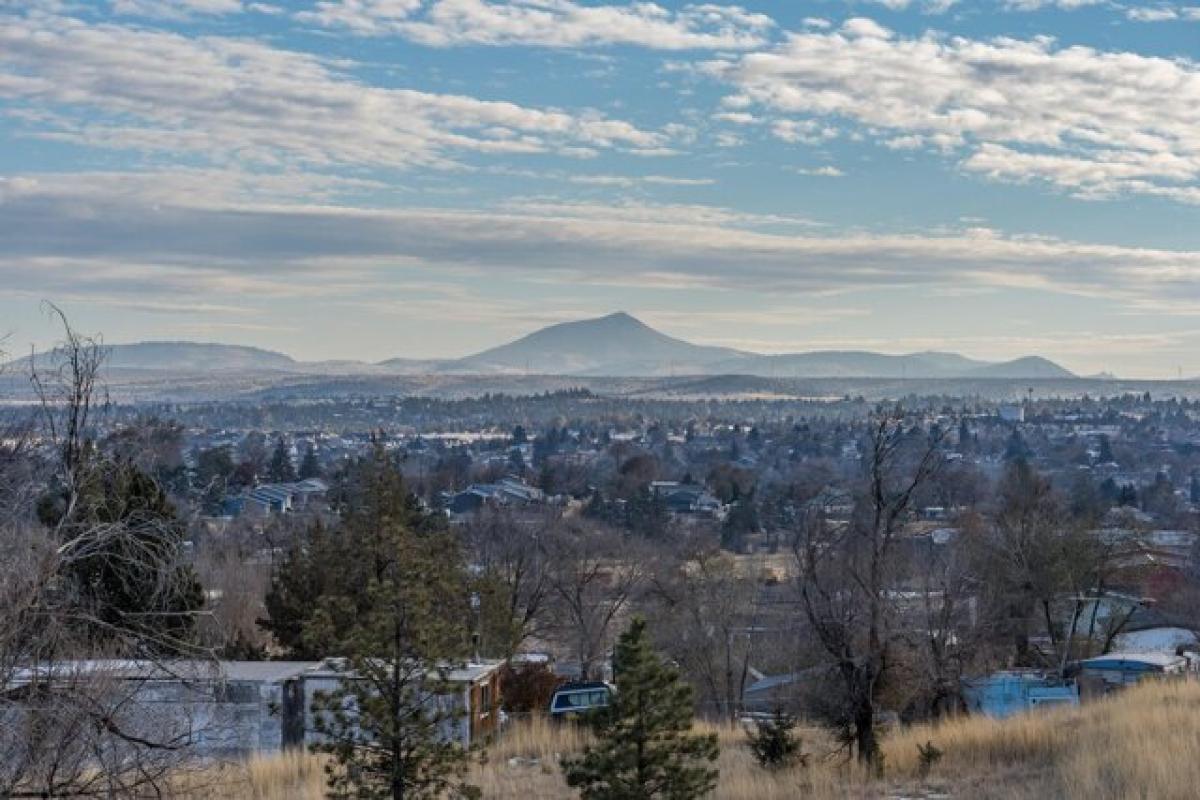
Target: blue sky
x=378, y=178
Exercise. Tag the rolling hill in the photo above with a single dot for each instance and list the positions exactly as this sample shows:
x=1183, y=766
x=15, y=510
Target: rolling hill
x=187, y=357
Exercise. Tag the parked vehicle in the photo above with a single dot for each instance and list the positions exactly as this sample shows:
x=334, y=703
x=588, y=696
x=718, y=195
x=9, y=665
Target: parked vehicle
x=575, y=699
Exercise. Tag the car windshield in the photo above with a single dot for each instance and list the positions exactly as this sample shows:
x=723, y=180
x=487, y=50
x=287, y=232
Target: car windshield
x=586, y=698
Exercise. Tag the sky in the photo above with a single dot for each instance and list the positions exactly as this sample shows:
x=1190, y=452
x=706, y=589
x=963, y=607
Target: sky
x=428, y=178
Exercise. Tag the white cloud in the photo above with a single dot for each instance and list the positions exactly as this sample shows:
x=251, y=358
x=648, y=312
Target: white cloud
x=547, y=23
x=806, y=131
x=627, y=181
x=938, y=6
x=821, y=172
x=236, y=99
x=1036, y=5
x=1163, y=13
x=176, y=9
x=737, y=118
x=1151, y=14
x=861, y=27
x=667, y=180
x=1095, y=123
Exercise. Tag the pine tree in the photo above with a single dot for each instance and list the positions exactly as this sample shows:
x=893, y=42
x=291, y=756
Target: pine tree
x=773, y=741
x=280, y=470
x=389, y=595
x=645, y=750
x=309, y=466
x=134, y=578
x=742, y=521
x=646, y=514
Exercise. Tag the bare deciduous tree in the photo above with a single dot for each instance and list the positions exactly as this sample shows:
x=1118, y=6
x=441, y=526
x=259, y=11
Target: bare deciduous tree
x=512, y=576
x=68, y=727
x=705, y=605
x=594, y=577
x=847, y=574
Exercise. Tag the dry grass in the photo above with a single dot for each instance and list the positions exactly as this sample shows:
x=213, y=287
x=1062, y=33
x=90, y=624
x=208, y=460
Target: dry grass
x=1144, y=743
x=288, y=776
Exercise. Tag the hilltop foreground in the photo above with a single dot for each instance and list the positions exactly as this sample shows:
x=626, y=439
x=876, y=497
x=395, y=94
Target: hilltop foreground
x=1144, y=743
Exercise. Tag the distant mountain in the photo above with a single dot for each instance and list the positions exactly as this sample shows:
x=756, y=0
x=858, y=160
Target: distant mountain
x=190, y=357
x=1028, y=367
x=620, y=345
x=616, y=344
x=850, y=364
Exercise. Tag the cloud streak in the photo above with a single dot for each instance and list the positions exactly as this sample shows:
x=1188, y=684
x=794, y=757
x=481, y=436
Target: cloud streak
x=59, y=223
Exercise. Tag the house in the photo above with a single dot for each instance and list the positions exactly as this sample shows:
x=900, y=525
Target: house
x=473, y=698
x=235, y=709
x=505, y=492
x=1011, y=413
x=686, y=498
x=278, y=498
x=217, y=709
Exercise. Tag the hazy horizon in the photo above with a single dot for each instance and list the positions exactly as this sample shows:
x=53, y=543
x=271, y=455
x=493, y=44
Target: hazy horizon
x=358, y=179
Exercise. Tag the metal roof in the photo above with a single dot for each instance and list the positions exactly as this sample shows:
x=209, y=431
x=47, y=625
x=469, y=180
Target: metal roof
x=1133, y=660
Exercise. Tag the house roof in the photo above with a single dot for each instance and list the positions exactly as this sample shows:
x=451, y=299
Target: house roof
x=1133, y=661
x=771, y=682
x=469, y=672
x=181, y=670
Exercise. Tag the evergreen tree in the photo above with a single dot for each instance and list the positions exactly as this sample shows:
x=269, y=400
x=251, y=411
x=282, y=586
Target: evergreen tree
x=516, y=461
x=134, y=578
x=964, y=436
x=397, y=614
x=742, y=521
x=644, y=748
x=214, y=471
x=252, y=452
x=330, y=570
x=309, y=466
x=773, y=740
x=310, y=569
x=598, y=508
x=280, y=469
x=646, y=514
x=1016, y=449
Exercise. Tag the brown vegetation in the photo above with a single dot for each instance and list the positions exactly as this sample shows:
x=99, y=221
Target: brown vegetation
x=1143, y=743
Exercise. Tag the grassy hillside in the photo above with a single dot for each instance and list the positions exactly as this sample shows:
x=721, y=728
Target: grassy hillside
x=1144, y=743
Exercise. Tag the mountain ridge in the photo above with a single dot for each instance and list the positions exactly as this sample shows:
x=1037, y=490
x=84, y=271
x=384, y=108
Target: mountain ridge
x=616, y=345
